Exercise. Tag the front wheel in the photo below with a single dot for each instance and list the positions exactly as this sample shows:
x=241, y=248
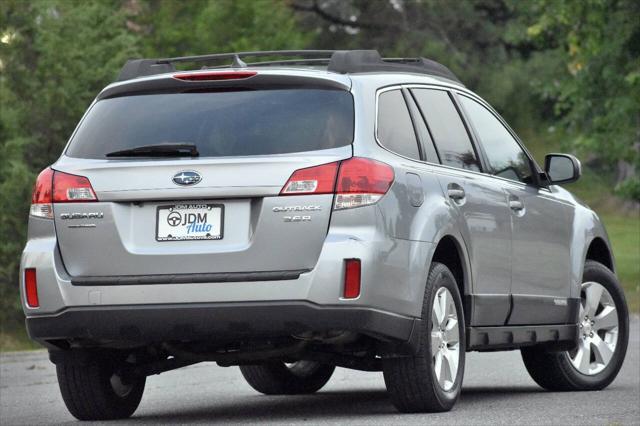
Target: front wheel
x=602, y=340
x=430, y=380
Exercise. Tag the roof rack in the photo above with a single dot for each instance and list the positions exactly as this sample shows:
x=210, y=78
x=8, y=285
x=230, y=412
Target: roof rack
x=340, y=61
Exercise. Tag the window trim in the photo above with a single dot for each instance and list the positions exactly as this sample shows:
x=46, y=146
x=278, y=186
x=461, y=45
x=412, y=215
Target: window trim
x=454, y=91
x=535, y=169
x=413, y=125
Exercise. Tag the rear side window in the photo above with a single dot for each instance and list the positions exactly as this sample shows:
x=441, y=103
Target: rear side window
x=448, y=131
x=395, y=129
x=220, y=124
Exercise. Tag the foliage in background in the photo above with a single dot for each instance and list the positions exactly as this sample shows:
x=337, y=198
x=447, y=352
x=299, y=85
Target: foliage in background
x=597, y=94
x=568, y=65
x=56, y=55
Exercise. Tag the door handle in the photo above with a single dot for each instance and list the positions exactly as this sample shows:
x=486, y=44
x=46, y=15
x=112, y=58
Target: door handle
x=516, y=205
x=456, y=193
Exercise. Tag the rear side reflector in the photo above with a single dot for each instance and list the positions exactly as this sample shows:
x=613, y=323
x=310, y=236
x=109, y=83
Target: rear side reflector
x=352, y=279
x=57, y=187
x=31, y=288
x=215, y=75
x=312, y=180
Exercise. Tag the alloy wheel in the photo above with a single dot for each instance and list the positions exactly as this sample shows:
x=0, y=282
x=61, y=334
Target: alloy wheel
x=445, y=338
x=598, y=329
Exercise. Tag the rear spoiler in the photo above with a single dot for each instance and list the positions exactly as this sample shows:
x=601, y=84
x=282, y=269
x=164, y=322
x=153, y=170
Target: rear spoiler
x=339, y=61
x=181, y=83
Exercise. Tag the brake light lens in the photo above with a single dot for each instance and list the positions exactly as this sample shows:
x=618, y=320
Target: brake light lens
x=359, y=182
x=312, y=180
x=72, y=188
x=42, y=197
x=31, y=288
x=215, y=75
x=58, y=187
x=362, y=182
x=351, y=279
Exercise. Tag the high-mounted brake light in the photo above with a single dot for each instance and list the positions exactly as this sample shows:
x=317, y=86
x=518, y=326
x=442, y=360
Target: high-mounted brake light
x=58, y=187
x=359, y=182
x=215, y=75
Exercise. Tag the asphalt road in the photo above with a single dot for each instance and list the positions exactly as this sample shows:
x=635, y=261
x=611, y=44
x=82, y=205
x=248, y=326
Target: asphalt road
x=497, y=390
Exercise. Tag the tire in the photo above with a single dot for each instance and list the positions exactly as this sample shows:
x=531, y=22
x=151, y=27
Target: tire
x=278, y=378
x=412, y=382
x=91, y=390
x=556, y=371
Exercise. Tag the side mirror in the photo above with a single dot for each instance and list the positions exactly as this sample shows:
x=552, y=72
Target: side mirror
x=562, y=168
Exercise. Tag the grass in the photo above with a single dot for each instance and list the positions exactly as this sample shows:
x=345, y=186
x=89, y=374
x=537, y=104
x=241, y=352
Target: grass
x=16, y=339
x=621, y=220
x=624, y=233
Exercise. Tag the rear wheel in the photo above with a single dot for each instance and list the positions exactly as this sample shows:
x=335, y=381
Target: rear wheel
x=602, y=340
x=95, y=389
x=278, y=378
x=430, y=381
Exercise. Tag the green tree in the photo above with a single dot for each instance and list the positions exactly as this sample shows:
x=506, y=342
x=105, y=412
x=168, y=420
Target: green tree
x=56, y=55
x=596, y=92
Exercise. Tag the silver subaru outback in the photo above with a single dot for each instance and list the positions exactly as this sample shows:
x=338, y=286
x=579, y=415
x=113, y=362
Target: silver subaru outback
x=332, y=209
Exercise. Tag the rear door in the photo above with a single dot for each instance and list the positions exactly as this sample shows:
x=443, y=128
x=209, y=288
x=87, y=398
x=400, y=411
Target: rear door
x=480, y=204
x=541, y=224
x=217, y=213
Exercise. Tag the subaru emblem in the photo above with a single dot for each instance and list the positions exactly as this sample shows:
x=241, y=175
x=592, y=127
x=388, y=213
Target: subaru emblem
x=186, y=177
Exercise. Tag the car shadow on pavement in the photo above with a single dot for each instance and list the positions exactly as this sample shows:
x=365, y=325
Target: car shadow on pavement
x=318, y=407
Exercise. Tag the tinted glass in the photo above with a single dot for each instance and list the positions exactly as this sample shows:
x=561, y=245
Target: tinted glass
x=220, y=124
x=421, y=128
x=395, y=130
x=447, y=129
x=506, y=158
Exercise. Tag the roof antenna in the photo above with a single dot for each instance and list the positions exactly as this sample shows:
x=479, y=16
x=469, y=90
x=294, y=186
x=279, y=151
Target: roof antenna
x=237, y=62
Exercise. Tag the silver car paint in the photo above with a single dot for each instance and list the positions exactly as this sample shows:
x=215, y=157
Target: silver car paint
x=395, y=238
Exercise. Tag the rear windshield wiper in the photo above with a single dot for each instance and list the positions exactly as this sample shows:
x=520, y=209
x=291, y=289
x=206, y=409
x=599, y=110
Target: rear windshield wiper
x=158, y=150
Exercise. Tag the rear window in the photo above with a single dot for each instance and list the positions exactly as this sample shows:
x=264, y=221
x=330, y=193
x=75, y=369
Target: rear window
x=220, y=124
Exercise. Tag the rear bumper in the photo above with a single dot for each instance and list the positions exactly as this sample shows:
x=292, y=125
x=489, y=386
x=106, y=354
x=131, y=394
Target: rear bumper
x=144, y=324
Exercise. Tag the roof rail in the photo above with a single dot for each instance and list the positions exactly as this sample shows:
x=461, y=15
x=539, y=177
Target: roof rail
x=340, y=61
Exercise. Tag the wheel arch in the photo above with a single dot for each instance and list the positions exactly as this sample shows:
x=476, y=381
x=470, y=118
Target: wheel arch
x=599, y=251
x=451, y=252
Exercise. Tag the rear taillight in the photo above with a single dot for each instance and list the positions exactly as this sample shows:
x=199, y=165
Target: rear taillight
x=42, y=197
x=312, y=180
x=215, y=75
x=361, y=182
x=31, y=288
x=356, y=182
x=57, y=187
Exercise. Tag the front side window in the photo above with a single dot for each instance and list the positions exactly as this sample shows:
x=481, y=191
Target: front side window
x=447, y=129
x=505, y=156
x=395, y=129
